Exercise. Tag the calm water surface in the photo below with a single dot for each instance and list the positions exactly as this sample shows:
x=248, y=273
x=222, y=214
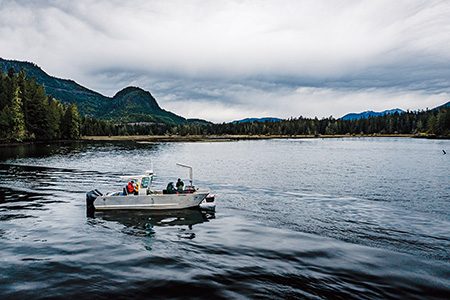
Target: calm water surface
x=319, y=219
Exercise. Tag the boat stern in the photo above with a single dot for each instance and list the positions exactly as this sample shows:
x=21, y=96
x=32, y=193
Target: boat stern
x=90, y=199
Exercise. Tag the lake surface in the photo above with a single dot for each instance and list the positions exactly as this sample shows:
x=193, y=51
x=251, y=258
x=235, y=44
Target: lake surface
x=364, y=218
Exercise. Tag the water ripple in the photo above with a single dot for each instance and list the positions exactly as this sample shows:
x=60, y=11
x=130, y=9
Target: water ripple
x=318, y=219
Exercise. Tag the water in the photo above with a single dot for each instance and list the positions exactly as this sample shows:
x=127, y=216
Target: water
x=319, y=219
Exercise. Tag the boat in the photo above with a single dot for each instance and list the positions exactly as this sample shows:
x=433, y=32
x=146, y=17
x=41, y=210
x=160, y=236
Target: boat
x=146, y=198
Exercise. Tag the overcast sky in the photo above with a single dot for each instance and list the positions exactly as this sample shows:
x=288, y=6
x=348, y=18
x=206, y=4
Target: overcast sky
x=226, y=60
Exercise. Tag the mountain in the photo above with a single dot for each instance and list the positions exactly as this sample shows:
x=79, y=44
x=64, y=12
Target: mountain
x=68, y=91
x=132, y=104
x=199, y=122
x=261, y=120
x=446, y=105
x=369, y=113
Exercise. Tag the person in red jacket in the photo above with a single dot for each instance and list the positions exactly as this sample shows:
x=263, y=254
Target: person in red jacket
x=130, y=187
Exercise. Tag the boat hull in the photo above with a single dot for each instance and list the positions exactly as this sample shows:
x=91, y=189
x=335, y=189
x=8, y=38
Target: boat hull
x=150, y=202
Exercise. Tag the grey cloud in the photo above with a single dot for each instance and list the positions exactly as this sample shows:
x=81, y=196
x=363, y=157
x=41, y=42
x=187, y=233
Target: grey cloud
x=252, y=55
x=228, y=100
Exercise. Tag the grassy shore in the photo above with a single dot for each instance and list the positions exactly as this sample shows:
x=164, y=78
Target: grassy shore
x=218, y=138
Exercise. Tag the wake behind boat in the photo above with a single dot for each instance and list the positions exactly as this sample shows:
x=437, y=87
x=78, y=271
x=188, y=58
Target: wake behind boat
x=139, y=195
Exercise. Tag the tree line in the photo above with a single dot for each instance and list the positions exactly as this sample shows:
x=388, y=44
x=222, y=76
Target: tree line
x=432, y=122
x=27, y=113
x=92, y=126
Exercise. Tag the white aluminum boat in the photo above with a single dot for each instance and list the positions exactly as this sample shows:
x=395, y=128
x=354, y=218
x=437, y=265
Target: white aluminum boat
x=145, y=198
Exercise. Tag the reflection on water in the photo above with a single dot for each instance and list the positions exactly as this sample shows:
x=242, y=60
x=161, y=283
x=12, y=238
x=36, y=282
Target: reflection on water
x=148, y=219
x=336, y=219
x=141, y=223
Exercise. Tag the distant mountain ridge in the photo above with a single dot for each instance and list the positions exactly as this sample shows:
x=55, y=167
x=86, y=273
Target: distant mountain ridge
x=261, y=120
x=445, y=105
x=131, y=104
x=370, y=113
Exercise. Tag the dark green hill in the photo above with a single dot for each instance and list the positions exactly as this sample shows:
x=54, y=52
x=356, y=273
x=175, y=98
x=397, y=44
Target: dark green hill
x=68, y=91
x=198, y=122
x=131, y=104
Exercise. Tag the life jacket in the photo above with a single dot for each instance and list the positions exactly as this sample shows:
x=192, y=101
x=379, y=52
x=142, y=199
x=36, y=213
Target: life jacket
x=130, y=188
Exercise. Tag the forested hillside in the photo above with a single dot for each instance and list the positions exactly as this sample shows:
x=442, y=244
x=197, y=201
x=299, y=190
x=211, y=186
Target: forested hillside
x=27, y=113
x=67, y=91
x=131, y=104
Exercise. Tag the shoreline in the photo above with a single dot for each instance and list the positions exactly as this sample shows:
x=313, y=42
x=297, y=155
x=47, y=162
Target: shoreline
x=213, y=138
x=224, y=138
x=12, y=144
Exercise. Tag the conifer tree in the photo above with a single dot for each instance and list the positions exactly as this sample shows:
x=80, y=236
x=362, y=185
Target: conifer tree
x=71, y=123
x=17, y=118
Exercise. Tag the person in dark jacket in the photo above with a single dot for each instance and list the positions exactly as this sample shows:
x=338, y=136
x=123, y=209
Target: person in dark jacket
x=170, y=189
x=180, y=185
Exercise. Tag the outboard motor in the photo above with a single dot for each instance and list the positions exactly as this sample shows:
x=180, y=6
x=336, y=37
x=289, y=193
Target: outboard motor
x=90, y=198
x=209, y=203
x=210, y=198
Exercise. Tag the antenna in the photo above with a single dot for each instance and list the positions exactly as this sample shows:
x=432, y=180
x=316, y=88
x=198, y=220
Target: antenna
x=150, y=172
x=191, y=175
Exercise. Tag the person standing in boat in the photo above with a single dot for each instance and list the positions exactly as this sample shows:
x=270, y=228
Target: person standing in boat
x=180, y=185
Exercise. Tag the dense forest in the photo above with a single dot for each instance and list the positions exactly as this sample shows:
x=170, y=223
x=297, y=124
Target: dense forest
x=432, y=122
x=27, y=113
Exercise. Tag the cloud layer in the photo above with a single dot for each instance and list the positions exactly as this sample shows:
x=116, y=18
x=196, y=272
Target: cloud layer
x=223, y=60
